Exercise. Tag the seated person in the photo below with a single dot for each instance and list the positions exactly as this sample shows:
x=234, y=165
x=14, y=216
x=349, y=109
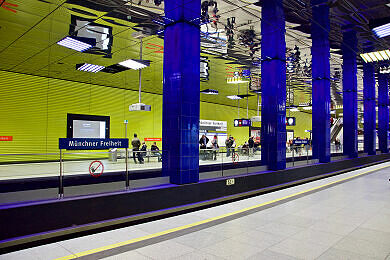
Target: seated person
x=156, y=151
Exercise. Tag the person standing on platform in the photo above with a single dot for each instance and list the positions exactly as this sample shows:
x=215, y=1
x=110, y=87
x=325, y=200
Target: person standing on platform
x=136, y=143
x=251, y=145
x=203, y=145
x=228, y=143
x=215, y=146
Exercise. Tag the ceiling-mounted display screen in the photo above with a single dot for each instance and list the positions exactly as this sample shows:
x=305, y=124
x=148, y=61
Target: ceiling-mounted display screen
x=88, y=126
x=242, y=122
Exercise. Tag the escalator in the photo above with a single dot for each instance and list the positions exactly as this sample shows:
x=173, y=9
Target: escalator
x=335, y=129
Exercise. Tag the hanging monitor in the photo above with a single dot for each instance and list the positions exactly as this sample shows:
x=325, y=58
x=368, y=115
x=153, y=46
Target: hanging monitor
x=88, y=126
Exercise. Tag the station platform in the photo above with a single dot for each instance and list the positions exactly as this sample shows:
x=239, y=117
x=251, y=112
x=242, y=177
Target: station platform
x=346, y=216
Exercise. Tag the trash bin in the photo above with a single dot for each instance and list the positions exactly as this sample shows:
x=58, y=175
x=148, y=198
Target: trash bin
x=113, y=155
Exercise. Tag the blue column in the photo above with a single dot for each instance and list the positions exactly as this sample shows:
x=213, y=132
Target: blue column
x=320, y=52
x=273, y=85
x=181, y=91
x=369, y=107
x=383, y=113
x=349, y=48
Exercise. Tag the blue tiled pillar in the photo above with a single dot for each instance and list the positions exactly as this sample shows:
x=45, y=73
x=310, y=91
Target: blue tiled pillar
x=181, y=91
x=349, y=49
x=369, y=108
x=320, y=52
x=273, y=85
x=383, y=113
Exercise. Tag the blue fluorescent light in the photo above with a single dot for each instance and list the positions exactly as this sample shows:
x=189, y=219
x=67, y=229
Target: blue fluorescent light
x=89, y=67
x=76, y=43
x=382, y=31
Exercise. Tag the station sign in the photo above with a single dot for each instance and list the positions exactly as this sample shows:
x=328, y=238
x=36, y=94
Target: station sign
x=242, y=122
x=6, y=138
x=152, y=139
x=92, y=143
x=212, y=125
x=300, y=141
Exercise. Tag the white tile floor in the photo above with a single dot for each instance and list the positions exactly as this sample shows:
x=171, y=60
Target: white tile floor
x=350, y=220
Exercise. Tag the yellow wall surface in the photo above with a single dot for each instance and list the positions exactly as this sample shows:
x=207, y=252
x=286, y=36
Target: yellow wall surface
x=34, y=110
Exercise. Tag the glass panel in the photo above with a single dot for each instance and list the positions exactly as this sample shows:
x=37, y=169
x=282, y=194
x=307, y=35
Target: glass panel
x=28, y=177
x=91, y=172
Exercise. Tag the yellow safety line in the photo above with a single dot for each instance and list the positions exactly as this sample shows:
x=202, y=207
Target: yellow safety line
x=134, y=240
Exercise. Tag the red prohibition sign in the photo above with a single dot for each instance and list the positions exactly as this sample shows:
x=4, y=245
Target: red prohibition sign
x=96, y=168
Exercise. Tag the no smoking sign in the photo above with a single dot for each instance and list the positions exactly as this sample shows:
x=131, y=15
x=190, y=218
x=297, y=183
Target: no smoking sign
x=96, y=168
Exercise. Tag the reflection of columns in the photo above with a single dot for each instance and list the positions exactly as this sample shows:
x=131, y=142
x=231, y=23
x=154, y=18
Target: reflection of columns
x=369, y=108
x=320, y=51
x=383, y=113
x=273, y=85
x=181, y=91
x=349, y=48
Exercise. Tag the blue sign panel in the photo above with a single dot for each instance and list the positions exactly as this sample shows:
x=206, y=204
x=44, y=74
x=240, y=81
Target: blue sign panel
x=242, y=122
x=92, y=143
x=300, y=141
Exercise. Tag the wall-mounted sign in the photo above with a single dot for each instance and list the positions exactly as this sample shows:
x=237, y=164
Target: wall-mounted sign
x=92, y=143
x=242, y=122
x=211, y=125
x=6, y=138
x=152, y=139
x=290, y=121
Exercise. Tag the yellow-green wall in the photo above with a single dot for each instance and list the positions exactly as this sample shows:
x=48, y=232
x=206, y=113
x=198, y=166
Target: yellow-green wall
x=34, y=109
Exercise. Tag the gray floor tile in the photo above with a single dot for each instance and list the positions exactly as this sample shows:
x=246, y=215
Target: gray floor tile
x=198, y=256
x=50, y=251
x=371, y=235
x=85, y=243
x=130, y=255
x=228, y=230
x=363, y=247
x=251, y=222
x=378, y=222
x=231, y=249
x=270, y=255
x=258, y=238
x=338, y=254
x=317, y=237
x=296, y=221
x=259, y=243
x=335, y=228
x=200, y=239
x=165, y=250
x=298, y=249
x=280, y=229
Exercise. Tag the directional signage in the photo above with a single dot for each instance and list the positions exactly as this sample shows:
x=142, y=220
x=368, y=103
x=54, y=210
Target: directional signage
x=92, y=143
x=242, y=122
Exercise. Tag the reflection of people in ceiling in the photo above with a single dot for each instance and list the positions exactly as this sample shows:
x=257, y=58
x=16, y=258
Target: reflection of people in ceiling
x=96, y=19
x=124, y=15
